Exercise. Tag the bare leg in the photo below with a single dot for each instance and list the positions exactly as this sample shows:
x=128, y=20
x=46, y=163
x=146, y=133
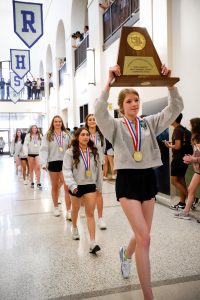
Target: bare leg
x=179, y=183
x=140, y=218
x=67, y=196
x=90, y=203
x=55, y=178
x=37, y=169
x=31, y=164
x=76, y=203
x=195, y=182
x=105, y=166
x=99, y=205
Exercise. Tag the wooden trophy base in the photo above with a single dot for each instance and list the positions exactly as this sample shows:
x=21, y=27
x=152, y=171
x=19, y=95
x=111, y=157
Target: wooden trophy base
x=144, y=81
x=139, y=62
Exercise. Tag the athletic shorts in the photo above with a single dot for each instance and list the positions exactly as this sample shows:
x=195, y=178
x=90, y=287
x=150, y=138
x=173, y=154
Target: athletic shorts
x=33, y=155
x=178, y=168
x=55, y=166
x=136, y=184
x=84, y=189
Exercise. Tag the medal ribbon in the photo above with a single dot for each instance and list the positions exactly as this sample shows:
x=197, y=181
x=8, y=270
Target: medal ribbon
x=35, y=138
x=94, y=138
x=59, y=139
x=86, y=159
x=135, y=135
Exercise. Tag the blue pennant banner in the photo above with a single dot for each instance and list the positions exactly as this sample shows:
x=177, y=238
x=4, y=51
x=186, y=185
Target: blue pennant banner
x=28, y=21
x=20, y=61
x=16, y=83
x=14, y=97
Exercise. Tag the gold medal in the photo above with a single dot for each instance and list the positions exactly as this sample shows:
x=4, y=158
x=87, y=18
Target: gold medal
x=137, y=155
x=88, y=173
x=60, y=149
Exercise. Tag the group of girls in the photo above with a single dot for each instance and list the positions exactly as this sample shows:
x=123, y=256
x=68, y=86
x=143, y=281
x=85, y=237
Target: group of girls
x=77, y=164
x=25, y=149
x=17, y=152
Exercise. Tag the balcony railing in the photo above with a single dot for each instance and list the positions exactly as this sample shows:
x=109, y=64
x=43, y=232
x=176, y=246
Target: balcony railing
x=80, y=52
x=119, y=13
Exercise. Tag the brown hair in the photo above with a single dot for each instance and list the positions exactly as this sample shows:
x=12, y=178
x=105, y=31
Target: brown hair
x=195, y=129
x=37, y=133
x=122, y=96
x=76, y=150
x=97, y=129
x=50, y=132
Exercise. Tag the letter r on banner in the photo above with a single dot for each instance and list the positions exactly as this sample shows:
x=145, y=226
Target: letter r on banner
x=28, y=21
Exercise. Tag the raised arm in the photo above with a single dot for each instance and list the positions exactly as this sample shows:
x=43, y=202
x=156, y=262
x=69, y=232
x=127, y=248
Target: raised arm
x=104, y=120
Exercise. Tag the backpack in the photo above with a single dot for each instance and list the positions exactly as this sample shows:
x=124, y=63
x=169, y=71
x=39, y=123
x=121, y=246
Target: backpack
x=186, y=147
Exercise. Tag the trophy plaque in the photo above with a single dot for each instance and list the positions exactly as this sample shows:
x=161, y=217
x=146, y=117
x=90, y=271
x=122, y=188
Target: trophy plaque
x=138, y=60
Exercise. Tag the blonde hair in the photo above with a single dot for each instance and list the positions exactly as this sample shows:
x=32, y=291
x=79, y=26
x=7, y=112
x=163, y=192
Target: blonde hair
x=50, y=132
x=122, y=96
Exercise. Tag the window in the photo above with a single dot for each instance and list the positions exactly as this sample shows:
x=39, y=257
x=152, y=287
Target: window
x=83, y=114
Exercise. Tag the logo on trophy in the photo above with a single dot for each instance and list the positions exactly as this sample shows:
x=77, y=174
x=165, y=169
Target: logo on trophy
x=138, y=60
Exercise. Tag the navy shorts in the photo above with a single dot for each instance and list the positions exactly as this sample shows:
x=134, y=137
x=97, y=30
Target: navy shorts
x=178, y=168
x=136, y=184
x=84, y=189
x=55, y=166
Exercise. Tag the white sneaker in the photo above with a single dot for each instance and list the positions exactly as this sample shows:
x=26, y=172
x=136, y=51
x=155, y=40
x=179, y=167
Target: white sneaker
x=125, y=263
x=56, y=212
x=94, y=247
x=68, y=215
x=25, y=182
x=105, y=178
x=75, y=234
x=101, y=224
x=114, y=177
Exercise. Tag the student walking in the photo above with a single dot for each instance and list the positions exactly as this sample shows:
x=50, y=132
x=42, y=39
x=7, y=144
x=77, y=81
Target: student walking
x=15, y=148
x=83, y=174
x=31, y=149
x=54, y=145
x=98, y=139
x=136, y=153
x=195, y=161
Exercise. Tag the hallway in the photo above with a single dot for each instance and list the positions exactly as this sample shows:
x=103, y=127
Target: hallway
x=39, y=260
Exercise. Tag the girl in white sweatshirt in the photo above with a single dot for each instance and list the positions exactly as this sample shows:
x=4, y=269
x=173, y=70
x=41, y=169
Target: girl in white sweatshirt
x=83, y=174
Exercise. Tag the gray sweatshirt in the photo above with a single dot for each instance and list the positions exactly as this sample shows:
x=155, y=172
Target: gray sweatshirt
x=49, y=151
x=17, y=149
x=76, y=176
x=32, y=145
x=116, y=132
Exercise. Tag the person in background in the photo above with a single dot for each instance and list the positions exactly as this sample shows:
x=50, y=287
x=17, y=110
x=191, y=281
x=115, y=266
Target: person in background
x=108, y=160
x=2, y=144
x=86, y=31
x=31, y=149
x=105, y=4
x=54, y=145
x=15, y=148
x=82, y=173
x=136, y=153
x=195, y=161
x=178, y=168
x=28, y=85
x=98, y=139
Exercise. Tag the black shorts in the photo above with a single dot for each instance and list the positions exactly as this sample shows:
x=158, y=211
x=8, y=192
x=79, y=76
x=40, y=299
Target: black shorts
x=55, y=166
x=84, y=189
x=178, y=168
x=33, y=155
x=137, y=184
x=23, y=158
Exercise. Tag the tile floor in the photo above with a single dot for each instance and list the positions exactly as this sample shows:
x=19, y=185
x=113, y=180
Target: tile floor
x=39, y=260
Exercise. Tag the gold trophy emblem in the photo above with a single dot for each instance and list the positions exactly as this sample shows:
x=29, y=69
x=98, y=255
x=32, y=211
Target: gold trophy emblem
x=136, y=40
